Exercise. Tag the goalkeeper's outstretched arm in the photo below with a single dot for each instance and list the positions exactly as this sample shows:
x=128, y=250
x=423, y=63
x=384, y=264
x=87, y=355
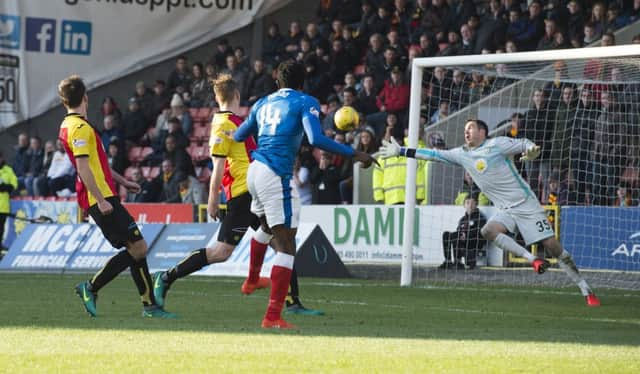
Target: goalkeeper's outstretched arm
x=511, y=147
x=392, y=149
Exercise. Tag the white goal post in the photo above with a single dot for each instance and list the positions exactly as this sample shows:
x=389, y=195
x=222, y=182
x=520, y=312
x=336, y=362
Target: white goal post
x=417, y=67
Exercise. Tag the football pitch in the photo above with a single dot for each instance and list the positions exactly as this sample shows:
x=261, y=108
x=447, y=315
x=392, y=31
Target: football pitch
x=369, y=326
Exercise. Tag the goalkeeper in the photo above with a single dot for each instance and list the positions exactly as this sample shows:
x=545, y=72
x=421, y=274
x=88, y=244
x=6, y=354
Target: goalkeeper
x=490, y=164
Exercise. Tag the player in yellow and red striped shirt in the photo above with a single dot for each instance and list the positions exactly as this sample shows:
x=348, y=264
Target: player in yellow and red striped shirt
x=96, y=193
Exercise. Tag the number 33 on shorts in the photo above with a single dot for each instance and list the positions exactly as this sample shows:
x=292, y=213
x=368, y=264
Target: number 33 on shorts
x=543, y=225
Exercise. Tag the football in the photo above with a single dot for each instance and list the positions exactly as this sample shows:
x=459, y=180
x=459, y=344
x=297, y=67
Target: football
x=346, y=118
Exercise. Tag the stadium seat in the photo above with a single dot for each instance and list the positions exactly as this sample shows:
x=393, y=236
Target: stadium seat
x=128, y=172
x=191, y=149
x=198, y=152
x=202, y=152
x=145, y=171
x=145, y=152
x=194, y=113
x=203, y=174
x=199, y=134
x=204, y=114
x=154, y=172
x=134, y=154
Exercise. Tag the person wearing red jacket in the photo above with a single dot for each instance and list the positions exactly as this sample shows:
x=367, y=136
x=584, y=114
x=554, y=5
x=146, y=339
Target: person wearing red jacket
x=393, y=98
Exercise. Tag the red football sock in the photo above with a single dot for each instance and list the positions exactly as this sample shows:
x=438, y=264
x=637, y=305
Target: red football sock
x=257, y=257
x=280, y=278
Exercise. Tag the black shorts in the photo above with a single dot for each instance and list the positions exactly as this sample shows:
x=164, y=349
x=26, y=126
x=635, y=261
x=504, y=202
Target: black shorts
x=118, y=227
x=237, y=220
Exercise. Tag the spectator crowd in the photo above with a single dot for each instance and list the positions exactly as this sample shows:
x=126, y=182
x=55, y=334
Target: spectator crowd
x=359, y=53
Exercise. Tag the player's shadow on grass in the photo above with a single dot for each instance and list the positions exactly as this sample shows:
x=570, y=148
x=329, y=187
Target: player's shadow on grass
x=356, y=309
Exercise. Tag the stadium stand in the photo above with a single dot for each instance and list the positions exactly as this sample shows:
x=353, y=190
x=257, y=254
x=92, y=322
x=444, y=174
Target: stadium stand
x=374, y=45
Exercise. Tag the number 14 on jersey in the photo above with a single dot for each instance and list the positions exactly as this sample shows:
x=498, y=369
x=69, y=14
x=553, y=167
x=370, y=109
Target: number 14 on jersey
x=268, y=119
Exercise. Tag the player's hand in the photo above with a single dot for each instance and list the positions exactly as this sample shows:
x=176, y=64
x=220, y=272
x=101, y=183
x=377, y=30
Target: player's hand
x=229, y=134
x=105, y=207
x=132, y=186
x=365, y=159
x=390, y=148
x=212, y=209
x=531, y=153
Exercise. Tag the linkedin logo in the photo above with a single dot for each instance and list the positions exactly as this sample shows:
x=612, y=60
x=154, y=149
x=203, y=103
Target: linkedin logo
x=74, y=36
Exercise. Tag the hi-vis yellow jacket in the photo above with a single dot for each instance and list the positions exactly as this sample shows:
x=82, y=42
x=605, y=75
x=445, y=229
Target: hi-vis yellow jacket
x=7, y=176
x=390, y=177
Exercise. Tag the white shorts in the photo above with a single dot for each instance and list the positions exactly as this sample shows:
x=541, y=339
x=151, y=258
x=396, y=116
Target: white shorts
x=528, y=218
x=272, y=196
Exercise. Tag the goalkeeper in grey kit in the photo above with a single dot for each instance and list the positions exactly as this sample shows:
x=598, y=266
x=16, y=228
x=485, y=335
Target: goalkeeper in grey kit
x=490, y=164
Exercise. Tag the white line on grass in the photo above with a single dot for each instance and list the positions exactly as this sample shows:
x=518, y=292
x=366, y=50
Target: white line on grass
x=523, y=290
x=435, y=308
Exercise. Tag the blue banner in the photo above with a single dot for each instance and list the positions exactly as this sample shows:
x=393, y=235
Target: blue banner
x=95, y=250
x=63, y=212
x=602, y=237
x=178, y=240
x=64, y=247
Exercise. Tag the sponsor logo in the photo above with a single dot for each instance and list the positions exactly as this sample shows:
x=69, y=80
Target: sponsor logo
x=629, y=248
x=366, y=226
x=75, y=37
x=40, y=35
x=480, y=165
x=79, y=143
x=321, y=254
x=85, y=297
x=9, y=31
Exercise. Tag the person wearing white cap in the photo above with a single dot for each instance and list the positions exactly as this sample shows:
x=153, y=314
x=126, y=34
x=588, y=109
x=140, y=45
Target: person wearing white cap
x=179, y=111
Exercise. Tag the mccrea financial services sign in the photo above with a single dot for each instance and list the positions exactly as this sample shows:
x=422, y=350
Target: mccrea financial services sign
x=68, y=247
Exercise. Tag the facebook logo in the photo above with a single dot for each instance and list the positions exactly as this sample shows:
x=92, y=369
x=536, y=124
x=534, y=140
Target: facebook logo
x=75, y=38
x=9, y=31
x=40, y=35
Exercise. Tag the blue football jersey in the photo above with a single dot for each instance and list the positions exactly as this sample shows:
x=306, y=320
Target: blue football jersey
x=280, y=120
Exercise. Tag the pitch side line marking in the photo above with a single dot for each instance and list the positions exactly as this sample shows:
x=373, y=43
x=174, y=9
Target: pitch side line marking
x=432, y=308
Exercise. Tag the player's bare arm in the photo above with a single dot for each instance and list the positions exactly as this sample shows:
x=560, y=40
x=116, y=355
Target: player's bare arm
x=131, y=186
x=90, y=182
x=214, y=186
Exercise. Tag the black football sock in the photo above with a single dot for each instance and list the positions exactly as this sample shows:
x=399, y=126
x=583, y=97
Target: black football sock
x=142, y=278
x=114, y=266
x=293, y=295
x=190, y=264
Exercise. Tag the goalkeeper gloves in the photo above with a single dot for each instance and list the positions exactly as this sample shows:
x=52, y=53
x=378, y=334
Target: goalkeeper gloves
x=389, y=148
x=531, y=153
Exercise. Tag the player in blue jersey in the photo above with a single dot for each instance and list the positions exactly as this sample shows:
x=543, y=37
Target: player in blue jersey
x=280, y=120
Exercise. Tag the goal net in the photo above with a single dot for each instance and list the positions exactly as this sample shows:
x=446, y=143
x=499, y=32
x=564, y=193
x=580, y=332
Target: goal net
x=582, y=107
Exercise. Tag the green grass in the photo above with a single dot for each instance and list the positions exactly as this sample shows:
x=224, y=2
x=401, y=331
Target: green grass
x=369, y=327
